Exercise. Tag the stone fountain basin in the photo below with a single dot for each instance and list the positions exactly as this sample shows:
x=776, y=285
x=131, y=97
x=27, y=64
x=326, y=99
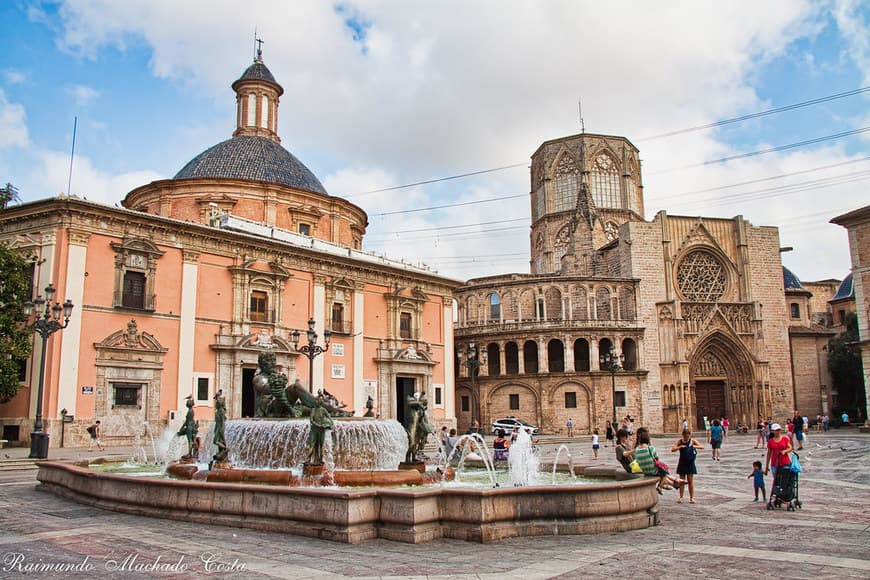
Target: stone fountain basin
x=350, y=516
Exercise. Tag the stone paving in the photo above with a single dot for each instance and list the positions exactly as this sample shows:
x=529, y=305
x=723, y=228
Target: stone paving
x=724, y=535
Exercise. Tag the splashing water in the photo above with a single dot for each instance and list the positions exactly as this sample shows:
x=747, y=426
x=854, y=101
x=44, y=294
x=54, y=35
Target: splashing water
x=523, y=461
x=355, y=444
x=564, y=448
x=473, y=443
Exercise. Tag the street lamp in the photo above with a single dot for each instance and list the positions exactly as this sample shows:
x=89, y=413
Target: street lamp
x=611, y=361
x=46, y=321
x=312, y=349
x=473, y=363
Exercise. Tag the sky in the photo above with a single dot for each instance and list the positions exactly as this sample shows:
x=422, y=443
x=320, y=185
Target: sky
x=380, y=94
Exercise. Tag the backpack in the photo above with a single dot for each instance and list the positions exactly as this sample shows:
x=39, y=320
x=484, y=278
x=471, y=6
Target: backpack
x=91, y=430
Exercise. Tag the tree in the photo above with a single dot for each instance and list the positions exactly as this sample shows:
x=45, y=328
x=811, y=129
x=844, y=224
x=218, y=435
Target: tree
x=15, y=283
x=844, y=362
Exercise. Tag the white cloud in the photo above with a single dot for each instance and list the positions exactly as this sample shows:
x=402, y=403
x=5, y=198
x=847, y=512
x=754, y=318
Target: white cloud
x=411, y=91
x=87, y=181
x=13, y=124
x=13, y=76
x=82, y=94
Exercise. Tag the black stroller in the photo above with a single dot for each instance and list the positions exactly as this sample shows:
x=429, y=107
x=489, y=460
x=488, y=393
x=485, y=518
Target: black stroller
x=785, y=489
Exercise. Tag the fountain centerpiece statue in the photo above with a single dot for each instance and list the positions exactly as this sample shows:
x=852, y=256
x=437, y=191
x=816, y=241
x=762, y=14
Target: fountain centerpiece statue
x=190, y=430
x=271, y=387
x=418, y=427
x=370, y=404
x=220, y=460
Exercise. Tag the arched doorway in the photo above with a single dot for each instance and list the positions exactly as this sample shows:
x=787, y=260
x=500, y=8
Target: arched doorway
x=721, y=374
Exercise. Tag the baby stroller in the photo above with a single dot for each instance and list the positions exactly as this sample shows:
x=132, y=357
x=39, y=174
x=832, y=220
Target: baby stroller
x=785, y=488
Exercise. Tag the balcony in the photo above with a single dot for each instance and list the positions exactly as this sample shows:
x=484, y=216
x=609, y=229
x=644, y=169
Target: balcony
x=341, y=326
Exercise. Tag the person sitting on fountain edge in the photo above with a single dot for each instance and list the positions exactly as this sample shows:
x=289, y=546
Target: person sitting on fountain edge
x=500, y=446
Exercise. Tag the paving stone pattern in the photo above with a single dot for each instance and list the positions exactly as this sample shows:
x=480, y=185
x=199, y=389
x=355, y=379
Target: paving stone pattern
x=724, y=535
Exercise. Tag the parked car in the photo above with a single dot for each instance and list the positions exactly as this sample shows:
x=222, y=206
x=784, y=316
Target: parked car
x=509, y=423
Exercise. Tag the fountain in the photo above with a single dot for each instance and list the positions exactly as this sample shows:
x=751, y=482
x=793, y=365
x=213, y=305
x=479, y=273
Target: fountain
x=337, y=478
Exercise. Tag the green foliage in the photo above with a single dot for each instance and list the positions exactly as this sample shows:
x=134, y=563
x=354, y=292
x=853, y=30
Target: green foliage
x=844, y=362
x=15, y=338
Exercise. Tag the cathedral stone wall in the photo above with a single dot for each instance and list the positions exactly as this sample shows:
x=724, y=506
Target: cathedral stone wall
x=765, y=280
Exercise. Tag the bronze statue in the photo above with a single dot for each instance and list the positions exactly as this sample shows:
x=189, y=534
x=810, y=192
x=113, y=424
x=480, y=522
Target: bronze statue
x=220, y=417
x=319, y=418
x=418, y=427
x=271, y=387
x=190, y=430
x=370, y=404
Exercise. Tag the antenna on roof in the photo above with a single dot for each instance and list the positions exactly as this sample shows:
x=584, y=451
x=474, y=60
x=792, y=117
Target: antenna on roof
x=71, y=156
x=582, y=124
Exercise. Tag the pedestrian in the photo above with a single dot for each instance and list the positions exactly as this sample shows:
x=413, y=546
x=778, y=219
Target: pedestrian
x=94, y=432
x=686, y=468
x=475, y=426
x=624, y=454
x=714, y=438
x=685, y=424
x=797, y=424
x=595, y=445
x=570, y=425
x=451, y=443
x=844, y=418
x=778, y=448
x=759, y=433
x=609, y=435
x=826, y=422
x=442, y=439
x=818, y=423
x=758, y=481
x=725, y=425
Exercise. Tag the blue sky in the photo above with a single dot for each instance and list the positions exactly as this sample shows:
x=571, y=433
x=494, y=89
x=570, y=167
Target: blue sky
x=379, y=94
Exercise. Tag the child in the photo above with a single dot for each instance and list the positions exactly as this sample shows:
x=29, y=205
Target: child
x=686, y=468
x=595, y=445
x=758, y=475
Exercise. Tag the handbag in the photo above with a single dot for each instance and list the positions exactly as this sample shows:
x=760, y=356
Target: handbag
x=795, y=464
x=662, y=465
x=635, y=466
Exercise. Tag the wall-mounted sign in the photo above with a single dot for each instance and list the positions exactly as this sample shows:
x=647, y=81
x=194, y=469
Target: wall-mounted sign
x=87, y=390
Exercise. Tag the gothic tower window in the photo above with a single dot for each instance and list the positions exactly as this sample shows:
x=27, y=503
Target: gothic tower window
x=701, y=277
x=567, y=184
x=563, y=239
x=605, y=182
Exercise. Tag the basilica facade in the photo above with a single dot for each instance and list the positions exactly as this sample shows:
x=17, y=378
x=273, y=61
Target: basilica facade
x=663, y=319
x=178, y=291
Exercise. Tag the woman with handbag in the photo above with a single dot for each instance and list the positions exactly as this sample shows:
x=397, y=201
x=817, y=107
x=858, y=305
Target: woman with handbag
x=686, y=469
x=650, y=464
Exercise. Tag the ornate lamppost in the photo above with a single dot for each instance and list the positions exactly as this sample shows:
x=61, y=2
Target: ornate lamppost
x=612, y=362
x=46, y=321
x=473, y=363
x=312, y=349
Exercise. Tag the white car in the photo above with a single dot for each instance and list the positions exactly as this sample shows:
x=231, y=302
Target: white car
x=509, y=423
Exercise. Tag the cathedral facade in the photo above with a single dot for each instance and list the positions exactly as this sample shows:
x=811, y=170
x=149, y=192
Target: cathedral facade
x=177, y=292
x=692, y=310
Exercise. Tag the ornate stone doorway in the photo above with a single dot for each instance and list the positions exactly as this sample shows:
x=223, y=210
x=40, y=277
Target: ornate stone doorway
x=721, y=376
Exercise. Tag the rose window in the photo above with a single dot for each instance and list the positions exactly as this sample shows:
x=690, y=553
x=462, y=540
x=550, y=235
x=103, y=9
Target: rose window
x=701, y=277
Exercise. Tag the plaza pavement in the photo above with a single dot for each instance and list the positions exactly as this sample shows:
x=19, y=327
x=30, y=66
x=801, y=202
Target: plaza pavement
x=724, y=535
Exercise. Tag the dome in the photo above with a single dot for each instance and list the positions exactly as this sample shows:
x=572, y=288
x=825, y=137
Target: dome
x=846, y=290
x=258, y=72
x=251, y=158
x=790, y=281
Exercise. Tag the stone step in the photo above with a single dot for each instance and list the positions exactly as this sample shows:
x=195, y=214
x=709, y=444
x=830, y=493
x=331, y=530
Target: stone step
x=17, y=464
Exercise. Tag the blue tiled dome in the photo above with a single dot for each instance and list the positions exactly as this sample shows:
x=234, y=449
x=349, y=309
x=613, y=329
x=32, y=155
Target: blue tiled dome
x=845, y=290
x=790, y=281
x=252, y=158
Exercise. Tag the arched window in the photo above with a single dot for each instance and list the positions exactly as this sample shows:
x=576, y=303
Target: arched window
x=494, y=307
x=493, y=359
x=602, y=303
x=581, y=355
x=626, y=304
x=556, y=356
x=629, y=351
x=605, y=182
x=604, y=346
x=560, y=247
x=530, y=356
x=264, y=112
x=795, y=310
x=579, y=307
x=527, y=305
x=554, y=303
x=509, y=307
x=540, y=313
x=252, y=110
x=511, y=358
x=566, y=184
